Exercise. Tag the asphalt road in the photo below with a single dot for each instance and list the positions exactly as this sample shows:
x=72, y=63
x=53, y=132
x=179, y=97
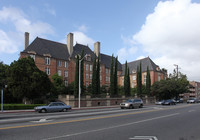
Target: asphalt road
x=180, y=122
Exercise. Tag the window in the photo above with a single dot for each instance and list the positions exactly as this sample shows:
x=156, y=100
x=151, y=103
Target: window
x=107, y=71
x=32, y=56
x=134, y=77
x=87, y=84
x=66, y=73
x=59, y=63
x=159, y=77
x=100, y=77
x=90, y=67
x=59, y=73
x=47, y=60
x=107, y=79
x=87, y=67
x=47, y=70
x=87, y=76
x=90, y=76
x=145, y=79
x=66, y=83
x=66, y=64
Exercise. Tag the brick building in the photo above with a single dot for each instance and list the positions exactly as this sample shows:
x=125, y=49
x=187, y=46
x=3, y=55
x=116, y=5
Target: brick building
x=194, y=90
x=156, y=73
x=54, y=57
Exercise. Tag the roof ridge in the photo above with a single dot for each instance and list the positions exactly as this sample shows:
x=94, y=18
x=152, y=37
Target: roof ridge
x=50, y=40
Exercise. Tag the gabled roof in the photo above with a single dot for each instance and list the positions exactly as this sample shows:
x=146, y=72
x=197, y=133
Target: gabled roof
x=144, y=63
x=59, y=51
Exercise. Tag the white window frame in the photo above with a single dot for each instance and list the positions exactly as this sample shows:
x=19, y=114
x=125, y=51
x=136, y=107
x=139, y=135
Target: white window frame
x=87, y=76
x=86, y=67
x=47, y=70
x=66, y=73
x=47, y=60
x=66, y=64
x=59, y=73
x=134, y=77
x=66, y=83
x=91, y=67
x=90, y=76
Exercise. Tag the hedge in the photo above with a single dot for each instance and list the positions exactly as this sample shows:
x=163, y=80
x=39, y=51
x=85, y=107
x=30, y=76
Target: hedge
x=20, y=106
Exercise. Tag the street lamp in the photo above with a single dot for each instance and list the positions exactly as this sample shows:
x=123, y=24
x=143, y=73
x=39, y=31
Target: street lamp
x=2, y=98
x=79, y=95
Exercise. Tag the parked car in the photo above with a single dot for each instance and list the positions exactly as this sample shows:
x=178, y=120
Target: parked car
x=179, y=100
x=53, y=107
x=159, y=102
x=132, y=103
x=169, y=102
x=192, y=100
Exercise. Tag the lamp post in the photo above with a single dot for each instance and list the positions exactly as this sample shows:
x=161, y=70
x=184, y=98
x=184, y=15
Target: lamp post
x=79, y=95
x=2, y=98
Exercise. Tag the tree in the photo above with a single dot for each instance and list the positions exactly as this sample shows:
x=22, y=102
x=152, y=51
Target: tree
x=25, y=80
x=126, y=81
x=82, y=72
x=170, y=88
x=139, y=80
x=94, y=76
x=98, y=76
x=148, y=82
x=112, y=77
x=115, y=77
x=76, y=83
x=58, y=87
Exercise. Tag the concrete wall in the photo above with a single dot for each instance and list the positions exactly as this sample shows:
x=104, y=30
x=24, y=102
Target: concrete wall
x=87, y=101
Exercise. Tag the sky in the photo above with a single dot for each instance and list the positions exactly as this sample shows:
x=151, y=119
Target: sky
x=168, y=31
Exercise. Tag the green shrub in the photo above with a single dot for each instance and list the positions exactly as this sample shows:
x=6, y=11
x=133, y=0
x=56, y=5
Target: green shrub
x=20, y=106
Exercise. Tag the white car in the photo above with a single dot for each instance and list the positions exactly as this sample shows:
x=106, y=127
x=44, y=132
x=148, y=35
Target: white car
x=159, y=102
x=192, y=100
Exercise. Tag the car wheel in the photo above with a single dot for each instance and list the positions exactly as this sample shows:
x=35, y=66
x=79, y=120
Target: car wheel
x=65, y=110
x=122, y=108
x=141, y=106
x=131, y=107
x=43, y=110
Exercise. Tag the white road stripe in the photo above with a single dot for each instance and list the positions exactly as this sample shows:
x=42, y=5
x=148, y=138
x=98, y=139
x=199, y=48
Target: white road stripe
x=75, y=134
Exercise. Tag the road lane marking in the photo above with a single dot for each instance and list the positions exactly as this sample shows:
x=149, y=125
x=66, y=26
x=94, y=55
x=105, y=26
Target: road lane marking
x=191, y=110
x=144, y=138
x=117, y=126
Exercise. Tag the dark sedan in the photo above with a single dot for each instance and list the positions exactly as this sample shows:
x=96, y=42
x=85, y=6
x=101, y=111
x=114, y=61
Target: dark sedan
x=169, y=102
x=53, y=107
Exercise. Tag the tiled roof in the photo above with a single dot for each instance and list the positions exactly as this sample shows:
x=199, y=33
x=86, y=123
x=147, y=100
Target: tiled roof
x=144, y=63
x=59, y=51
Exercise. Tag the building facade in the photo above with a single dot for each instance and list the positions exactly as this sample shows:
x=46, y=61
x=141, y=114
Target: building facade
x=54, y=57
x=156, y=74
x=194, y=91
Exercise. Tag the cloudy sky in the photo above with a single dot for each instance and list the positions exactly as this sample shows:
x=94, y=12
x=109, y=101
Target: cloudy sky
x=167, y=31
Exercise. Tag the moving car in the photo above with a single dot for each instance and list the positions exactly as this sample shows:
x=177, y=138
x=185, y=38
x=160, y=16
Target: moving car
x=169, y=102
x=159, y=102
x=192, y=100
x=53, y=107
x=132, y=103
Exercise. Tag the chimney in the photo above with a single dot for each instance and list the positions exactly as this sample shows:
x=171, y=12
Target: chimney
x=97, y=48
x=70, y=41
x=26, y=41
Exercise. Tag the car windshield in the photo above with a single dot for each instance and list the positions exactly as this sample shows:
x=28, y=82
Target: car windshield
x=128, y=101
